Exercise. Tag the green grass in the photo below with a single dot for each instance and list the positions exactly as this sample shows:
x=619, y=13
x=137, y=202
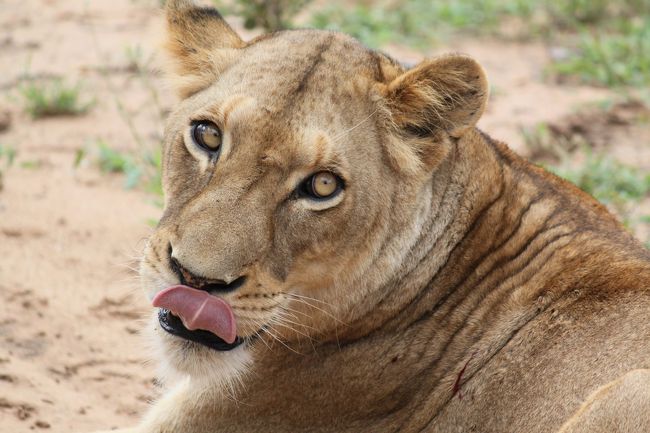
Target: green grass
x=139, y=169
x=416, y=23
x=7, y=157
x=613, y=183
x=617, y=185
x=612, y=58
x=419, y=23
x=134, y=55
x=31, y=164
x=611, y=39
x=53, y=98
x=573, y=14
x=543, y=145
x=114, y=161
x=567, y=13
x=271, y=15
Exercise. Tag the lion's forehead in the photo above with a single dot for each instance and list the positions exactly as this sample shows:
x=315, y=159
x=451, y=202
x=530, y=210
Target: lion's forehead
x=300, y=70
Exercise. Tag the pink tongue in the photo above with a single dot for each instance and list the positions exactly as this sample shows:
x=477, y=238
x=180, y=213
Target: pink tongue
x=199, y=310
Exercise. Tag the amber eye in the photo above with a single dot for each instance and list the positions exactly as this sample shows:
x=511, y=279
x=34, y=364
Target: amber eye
x=323, y=185
x=207, y=135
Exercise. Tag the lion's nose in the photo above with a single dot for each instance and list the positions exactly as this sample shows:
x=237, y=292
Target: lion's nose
x=188, y=278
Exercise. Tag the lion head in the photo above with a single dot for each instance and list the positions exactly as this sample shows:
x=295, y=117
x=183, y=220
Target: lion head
x=295, y=170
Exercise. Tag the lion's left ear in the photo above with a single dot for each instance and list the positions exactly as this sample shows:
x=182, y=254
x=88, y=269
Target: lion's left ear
x=200, y=43
x=447, y=94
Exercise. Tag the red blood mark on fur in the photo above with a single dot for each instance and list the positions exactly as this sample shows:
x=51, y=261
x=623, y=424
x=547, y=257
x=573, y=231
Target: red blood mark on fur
x=457, y=384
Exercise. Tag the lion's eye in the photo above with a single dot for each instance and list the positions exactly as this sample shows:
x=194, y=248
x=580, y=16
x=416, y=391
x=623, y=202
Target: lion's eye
x=207, y=135
x=323, y=185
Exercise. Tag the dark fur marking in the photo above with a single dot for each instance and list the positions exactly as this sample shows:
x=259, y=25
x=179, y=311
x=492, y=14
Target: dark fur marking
x=517, y=271
x=419, y=131
x=495, y=149
x=474, y=226
x=476, y=263
x=204, y=13
x=378, y=70
x=497, y=266
x=420, y=236
x=513, y=334
x=309, y=72
x=156, y=255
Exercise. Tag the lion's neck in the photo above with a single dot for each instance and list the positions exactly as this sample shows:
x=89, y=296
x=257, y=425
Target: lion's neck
x=451, y=215
x=459, y=234
x=472, y=281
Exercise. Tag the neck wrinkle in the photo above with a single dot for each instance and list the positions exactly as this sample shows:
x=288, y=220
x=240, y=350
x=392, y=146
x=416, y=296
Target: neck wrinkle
x=461, y=315
x=414, y=246
x=466, y=200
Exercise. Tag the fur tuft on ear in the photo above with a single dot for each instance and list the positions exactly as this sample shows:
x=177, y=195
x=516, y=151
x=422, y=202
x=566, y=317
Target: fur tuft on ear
x=447, y=94
x=200, y=42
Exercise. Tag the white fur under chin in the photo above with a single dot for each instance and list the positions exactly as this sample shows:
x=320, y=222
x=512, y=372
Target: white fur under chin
x=179, y=360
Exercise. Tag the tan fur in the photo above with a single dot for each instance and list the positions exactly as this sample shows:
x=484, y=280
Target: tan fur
x=621, y=406
x=451, y=286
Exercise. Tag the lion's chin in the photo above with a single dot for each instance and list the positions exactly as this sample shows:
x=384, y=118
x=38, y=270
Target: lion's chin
x=179, y=358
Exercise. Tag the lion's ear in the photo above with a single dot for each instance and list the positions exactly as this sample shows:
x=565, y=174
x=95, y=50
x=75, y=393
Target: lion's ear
x=444, y=94
x=200, y=42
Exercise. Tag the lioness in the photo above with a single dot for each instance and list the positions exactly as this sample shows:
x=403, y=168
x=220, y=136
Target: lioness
x=342, y=250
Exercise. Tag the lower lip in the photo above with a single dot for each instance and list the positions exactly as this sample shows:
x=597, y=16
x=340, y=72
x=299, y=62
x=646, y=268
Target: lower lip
x=174, y=326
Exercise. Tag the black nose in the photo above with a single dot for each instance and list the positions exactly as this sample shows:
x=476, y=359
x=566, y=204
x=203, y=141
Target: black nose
x=190, y=279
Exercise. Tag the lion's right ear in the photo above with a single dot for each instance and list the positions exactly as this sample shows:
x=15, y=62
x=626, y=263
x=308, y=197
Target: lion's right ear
x=434, y=101
x=201, y=44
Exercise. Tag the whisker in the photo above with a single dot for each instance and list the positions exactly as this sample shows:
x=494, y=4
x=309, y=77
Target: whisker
x=260, y=328
x=296, y=295
x=293, y=310
x=288, y=318
x=283, y=322
x=308, y=337
x=287, y=312
x=304, y=325
x=346, y=132
x=276, y=338
x=317, y=308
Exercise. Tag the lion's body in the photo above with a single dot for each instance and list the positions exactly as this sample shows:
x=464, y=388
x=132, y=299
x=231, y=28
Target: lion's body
x=472, y=292
x=542, y=300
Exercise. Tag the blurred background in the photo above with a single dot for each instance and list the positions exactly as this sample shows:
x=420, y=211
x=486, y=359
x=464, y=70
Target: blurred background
x=83, y=102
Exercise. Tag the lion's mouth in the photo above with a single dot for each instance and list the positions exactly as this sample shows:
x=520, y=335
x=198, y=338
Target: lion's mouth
x=174, y=325
x=197, y=315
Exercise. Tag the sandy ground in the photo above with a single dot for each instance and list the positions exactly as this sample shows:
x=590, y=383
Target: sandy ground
x=71, y=359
